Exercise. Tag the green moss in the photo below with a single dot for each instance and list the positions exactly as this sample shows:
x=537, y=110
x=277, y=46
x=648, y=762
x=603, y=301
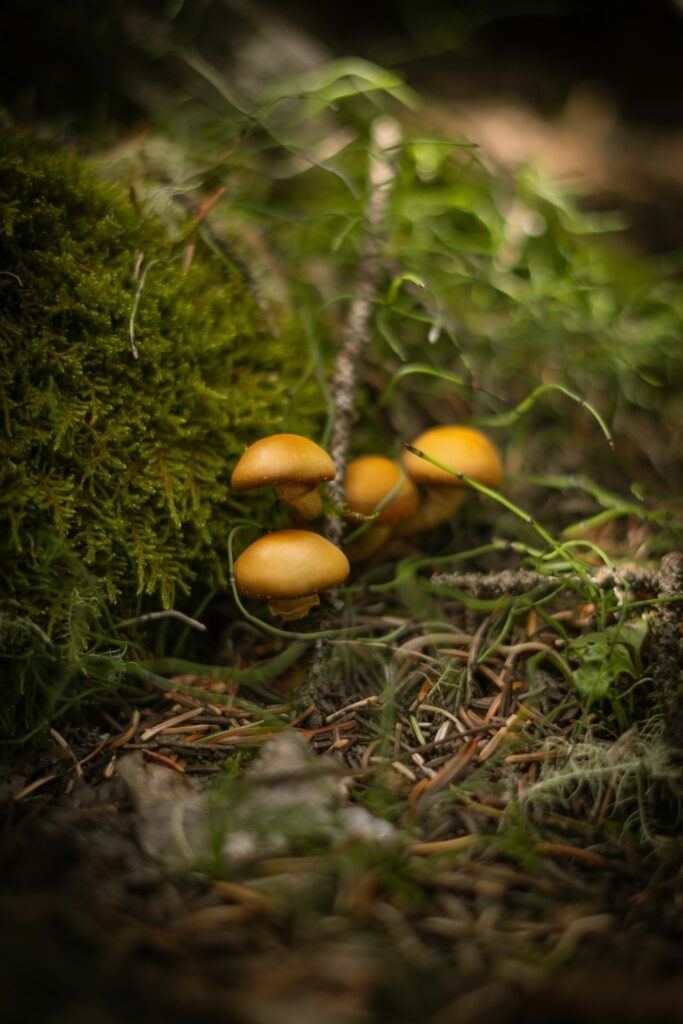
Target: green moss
x=114, y=469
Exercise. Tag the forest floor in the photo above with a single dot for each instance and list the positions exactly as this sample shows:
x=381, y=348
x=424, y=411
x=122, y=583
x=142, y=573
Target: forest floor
x=192, y=859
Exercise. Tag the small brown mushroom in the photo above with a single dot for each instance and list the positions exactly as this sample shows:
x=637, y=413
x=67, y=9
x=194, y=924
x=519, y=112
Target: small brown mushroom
x=463, y=450
x=290, y=568
x=292, y=464
x=369, y=480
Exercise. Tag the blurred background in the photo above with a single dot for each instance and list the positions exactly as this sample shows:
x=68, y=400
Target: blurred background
x=593, y=89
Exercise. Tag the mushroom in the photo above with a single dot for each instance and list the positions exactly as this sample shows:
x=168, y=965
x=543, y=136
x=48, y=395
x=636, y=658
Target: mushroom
x=290, y=568
x=369, y=481
x=292, y=464
x=464, y=450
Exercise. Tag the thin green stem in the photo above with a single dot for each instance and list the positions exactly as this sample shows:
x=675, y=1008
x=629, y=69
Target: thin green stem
x=507, y=418
x=341, y=633
x=506, y=503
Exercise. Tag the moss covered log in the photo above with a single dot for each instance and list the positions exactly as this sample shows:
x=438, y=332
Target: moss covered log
x=114, y=468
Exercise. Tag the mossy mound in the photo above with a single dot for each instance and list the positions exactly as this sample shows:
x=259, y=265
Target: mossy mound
x=114, y=469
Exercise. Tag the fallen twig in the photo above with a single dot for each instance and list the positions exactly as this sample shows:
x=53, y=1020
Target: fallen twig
x=521, y=581
x=357, y=333
x=167, y=613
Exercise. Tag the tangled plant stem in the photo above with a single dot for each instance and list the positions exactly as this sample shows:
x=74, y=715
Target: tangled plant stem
x=563, y=550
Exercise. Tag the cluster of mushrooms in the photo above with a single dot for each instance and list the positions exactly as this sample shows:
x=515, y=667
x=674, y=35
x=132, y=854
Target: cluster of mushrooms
x=290, y=568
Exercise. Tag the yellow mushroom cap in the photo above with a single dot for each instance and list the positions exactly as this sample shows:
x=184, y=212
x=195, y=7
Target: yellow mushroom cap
x=461, y=448
x=368, y=481
x=282, y=459
x=290, y=563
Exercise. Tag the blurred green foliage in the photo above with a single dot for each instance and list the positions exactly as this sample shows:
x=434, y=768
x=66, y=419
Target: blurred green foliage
x=497, y=283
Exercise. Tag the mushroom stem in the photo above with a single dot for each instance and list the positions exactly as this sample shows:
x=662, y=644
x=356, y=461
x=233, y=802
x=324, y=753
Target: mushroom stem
x=289, y=608
x=369, y=542
x=439, y=505
x=304, y=500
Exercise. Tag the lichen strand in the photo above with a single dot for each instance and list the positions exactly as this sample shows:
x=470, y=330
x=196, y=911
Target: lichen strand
x=115, y=472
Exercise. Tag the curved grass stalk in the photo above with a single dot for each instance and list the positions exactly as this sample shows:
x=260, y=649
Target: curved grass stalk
x=256, y=675
x=548, y=654
x=328, y=83
x=266, y=626
x=577, y=481
x=210, y=74
x=395, y=286
x=370, y=519
x=160, y=682
x=411, y=369
x=136, y=303
x=158, y=616
x=507, y=625
x=408, y=567
x=614, y=506
x=322, y=634
x=556, y=547
x=589, y=545
x=648, y=602
x=599, y=519
x=505, y=419
x=474, y=604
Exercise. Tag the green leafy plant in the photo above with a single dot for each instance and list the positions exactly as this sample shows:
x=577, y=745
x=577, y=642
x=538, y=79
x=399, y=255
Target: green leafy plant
x=606, y=657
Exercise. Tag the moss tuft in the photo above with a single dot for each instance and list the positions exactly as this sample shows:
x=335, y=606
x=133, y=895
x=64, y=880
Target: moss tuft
x=114, y=470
